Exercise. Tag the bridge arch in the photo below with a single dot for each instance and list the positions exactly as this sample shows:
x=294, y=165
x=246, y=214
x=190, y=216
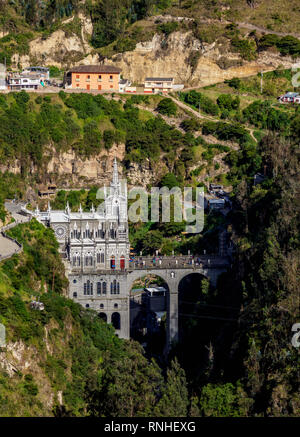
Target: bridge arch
x=172, y=278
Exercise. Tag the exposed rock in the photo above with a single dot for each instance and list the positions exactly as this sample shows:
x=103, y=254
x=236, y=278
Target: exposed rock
x=169, y=57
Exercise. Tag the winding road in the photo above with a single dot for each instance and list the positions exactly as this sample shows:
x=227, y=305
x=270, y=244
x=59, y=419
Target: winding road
x=8, y=246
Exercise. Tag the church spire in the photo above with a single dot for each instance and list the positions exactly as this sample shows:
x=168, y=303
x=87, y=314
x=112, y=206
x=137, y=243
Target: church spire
x=115, y=180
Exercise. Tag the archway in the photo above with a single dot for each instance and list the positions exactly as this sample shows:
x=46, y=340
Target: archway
x=103, y=316
x=116, y=320
x=196, y=325
x=193, y=291
x=148, y=312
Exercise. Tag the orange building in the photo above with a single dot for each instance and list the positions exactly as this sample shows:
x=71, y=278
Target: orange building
x=95, y=77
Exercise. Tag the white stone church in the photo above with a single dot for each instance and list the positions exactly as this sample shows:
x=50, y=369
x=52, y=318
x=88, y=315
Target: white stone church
x=95, y=247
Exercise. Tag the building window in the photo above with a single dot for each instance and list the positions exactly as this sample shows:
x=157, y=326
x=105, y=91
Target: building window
x=101, y=305
x=74, y=294
x=111, y=86
x=74, y=281
x=87, y=305
x=102, y=258
x=110, y=78
x=77, y=76
x=103, y=316
x=115, y=287
x=88, y=78
x=100, y=77
x=88, y=288
x=98, y=257
x=116, y=320
x=104, y=288
x=115, y=305
x=98, y=288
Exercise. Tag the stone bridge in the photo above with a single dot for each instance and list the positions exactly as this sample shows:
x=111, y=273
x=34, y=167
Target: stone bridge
x=172, y=270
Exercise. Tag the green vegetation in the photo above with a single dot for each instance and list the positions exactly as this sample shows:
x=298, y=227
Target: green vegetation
x=198, y=100
x=94, y=369
x=287, y=45
x=76, y=198
x=167, y=107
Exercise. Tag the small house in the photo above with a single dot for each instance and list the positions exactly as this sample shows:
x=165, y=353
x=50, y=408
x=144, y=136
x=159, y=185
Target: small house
x=42, y=72
x=288, y=97
x=23, y=82
x=158, y=84
x=123, y=84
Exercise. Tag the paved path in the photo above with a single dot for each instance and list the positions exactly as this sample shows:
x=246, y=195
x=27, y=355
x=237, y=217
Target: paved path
x=9, y=247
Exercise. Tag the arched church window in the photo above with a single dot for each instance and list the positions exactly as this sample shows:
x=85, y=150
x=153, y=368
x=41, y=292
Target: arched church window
x=102, y=257
x=104, y=287
x=84, y=289
x=116, y=320
x=98, y=288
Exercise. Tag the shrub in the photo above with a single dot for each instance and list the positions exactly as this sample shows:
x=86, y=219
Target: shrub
x=167, y=107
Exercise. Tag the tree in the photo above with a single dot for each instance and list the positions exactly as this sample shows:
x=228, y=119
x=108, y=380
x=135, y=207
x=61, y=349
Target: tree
x=169, y=180
x=151, y=242
x=167, y=107
x=174, y=395
x=223, y=401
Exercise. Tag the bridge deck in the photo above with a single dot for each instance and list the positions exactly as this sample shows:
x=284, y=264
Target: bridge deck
x=163, y=263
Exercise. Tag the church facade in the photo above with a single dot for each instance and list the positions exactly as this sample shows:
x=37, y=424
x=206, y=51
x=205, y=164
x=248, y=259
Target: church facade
x=95, y=248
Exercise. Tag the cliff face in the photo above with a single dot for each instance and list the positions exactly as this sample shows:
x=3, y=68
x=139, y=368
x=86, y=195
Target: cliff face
x=171, y=57
x=68, y=170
